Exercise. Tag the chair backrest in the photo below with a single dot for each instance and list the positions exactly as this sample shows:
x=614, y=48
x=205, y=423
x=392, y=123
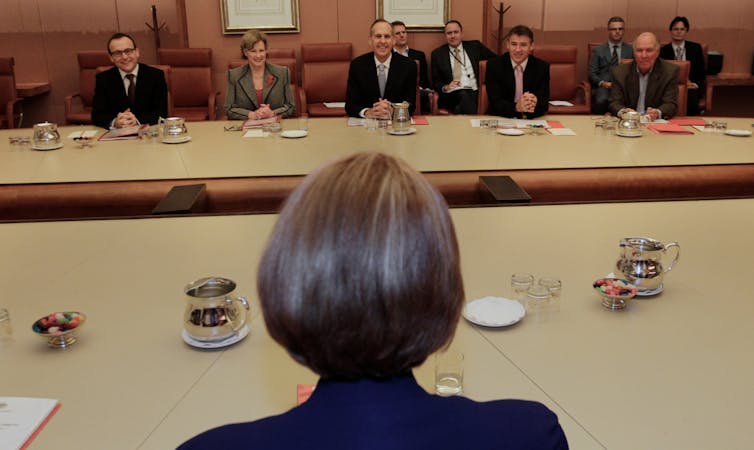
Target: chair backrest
x=281, y=53
x=563, y=70
x=683, y=79
x=7, y=82
x=89, y=61
x=190, y=75
x=482, y=102
x=324, y=73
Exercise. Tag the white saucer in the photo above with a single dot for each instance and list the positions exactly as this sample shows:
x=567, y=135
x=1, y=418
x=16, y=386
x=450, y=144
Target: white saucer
x=215, y=344
x=48, y=147
x=494, y=311
x=510, y=131
x=402, y=132
x=618, y=133
x=650, y=292
x=740, y=133
x=293, y=134
x=176, y=140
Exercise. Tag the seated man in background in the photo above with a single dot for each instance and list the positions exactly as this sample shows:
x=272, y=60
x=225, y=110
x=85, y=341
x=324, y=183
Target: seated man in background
x=400, y=36
x=604, y=58
x=130, y=93
x=518, y=83
x=381, y=77
x=648, y=85
x=682, y=50
x=455, y=70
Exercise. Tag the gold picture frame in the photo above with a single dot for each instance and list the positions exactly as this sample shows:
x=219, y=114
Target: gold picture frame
x=270, y=16
x=418, y=15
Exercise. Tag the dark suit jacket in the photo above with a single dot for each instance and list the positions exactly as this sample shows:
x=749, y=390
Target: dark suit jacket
x=110, y=96
x=394, y=414
x=442, y=72
x=599, y=63
x=419, y=55
x=694, y=55
x=363, y=90
x=241, y=97
x=501, y=85
x=662, y=88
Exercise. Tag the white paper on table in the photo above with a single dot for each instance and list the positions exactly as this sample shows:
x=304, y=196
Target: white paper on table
x=86, y=134
x=475, y=123
x=254, y=133
x=560, y=103
x=20, y=417
x=335, y=104
x=561, y=132
x=356, y=122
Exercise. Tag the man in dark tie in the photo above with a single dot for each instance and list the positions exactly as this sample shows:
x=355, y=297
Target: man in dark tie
x=682, y=50
x=130, y=93
x=381, y=77
x=455, y=70
x=605, y=57
x=518, y=83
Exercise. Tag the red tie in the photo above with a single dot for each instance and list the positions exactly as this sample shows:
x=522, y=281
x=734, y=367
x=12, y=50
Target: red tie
x=519, y=83
x=131, y=88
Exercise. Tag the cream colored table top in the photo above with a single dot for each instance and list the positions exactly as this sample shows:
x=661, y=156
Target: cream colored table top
x=447, y=144
x=673, y=371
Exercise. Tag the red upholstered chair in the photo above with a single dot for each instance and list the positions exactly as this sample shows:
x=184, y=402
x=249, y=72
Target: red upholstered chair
x=88, y=63
x=190, y=84
x=483, y=102
x=324, y=77
x=563, y=82
x=10, y=103
x=683, y=80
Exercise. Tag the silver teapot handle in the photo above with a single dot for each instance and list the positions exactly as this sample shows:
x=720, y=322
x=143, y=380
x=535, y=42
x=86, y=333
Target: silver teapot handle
x=677, y=254
x=241, y=299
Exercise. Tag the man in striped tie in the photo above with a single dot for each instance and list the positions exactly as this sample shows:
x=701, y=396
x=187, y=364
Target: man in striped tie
x=603, y=58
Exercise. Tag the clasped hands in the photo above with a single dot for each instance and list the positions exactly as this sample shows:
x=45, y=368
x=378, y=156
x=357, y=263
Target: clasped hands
x=381, y=109
x=263, y=112
x=527, y=103
x=125, y=119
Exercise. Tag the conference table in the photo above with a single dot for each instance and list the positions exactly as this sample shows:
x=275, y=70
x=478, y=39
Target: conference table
x=128, y=178
x=670, y=371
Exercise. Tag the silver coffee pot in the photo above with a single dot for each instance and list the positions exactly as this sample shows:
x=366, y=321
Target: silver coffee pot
x=401, y=116
x=212, y=314
x=173, y=127
x=629, y=124
x=46, y=134
x=640, y=261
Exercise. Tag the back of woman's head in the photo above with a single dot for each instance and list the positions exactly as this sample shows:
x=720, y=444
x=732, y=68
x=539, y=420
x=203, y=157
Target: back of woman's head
x=361, y=276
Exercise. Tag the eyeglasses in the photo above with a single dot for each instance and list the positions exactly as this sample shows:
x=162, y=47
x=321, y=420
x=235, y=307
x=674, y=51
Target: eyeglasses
x=125, y=52
x=615, y=29
x=678, y=29
x=399, y=32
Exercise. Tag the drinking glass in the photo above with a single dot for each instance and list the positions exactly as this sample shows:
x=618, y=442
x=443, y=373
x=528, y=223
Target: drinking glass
x=520, y=283
x=6, y=331
x=449, y=373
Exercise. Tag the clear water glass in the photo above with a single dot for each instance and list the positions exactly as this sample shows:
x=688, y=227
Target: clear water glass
x=520, y=283
x=449, y=373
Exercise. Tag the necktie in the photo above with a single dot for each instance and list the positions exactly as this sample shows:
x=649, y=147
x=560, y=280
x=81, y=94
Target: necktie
x=457, y=64
x=679, y=53
x=131, y=88
x=381, y=79
x=519, y=83
x=614, y=59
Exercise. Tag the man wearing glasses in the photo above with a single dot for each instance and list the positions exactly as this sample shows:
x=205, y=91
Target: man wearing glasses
x=130, y=93
x=604, y=57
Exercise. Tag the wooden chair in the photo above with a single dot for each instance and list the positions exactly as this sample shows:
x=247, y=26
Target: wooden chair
x=88, y=63
x=10, y=104
x=190, y=86
x=683, y=80
x=324, y=77
x=564, y=85
x=483, y=101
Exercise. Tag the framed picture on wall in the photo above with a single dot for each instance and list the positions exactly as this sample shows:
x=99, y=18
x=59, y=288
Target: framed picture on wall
x=270, y=16
x=418, y=15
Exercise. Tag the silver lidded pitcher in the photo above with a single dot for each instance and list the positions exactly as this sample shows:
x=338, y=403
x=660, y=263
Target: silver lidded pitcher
x=640, y=261
x=173, y=127
x=46, y=135
x=212, y=314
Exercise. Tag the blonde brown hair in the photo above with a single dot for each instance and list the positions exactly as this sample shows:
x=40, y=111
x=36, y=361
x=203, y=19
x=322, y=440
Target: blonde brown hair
x=250, y=38
x=361, y=276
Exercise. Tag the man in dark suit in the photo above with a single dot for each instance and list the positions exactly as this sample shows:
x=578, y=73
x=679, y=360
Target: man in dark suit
x=130, y=93
x=604, y=58
x=648, y=85
x=683, y=50
x=400, y=46
x=455, y=70
x=381, y=77
x=518, y=83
